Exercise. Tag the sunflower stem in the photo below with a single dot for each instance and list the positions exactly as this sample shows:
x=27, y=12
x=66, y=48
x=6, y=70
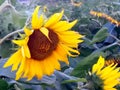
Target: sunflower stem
x=113, y=44
x=66, y=17
x=8, y=35
x=114, y=37
x=106, y=47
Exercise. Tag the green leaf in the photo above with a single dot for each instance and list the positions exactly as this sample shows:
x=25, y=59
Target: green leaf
x=86, y=63
x=6, y=49
x=75, y=80
x=18, y=19
x=100, y=35
x=3, y=85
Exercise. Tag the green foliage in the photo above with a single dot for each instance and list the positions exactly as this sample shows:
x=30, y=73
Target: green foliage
x=5, y=22
x=18, y=20
x=86, y=63
x=3, y=85
x=100, y=35
x=118, y=87
x=6, y=49
x=75, y=80
x=95, y=82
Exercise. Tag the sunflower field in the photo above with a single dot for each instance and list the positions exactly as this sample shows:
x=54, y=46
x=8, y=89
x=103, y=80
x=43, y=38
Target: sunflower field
x=59, y=45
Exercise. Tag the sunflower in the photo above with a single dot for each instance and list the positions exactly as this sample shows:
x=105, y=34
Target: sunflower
x=113, y=59
x=108, y=76
x=47, y=42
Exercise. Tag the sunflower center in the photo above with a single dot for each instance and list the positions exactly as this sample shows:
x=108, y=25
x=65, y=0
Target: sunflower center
x=40, y=46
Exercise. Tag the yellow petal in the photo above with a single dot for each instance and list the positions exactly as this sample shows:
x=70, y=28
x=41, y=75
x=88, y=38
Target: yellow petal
x=67, y=26
x=40, y=21
x=105, y=88
x=55, y=62
x=60, y=56
x=21, y=69
x=71, y=49
x=32, y=70
x=26, y=51
x=23, y=53
x=50, y=70
x=57, y=65
x=39, y=72
x=45, y=31
x=67, y=51
x=59, y=25
x=71, y=33
x=111, y=84
x=19, y=42
x=36, y=21
x=27, y=66
x=69, y=41
x=94, y=68
x=99, y=65
x=27, y=31
x=112, y=73
x=16, y=63
x=103, y=73
x=54, y=19
x=24, y=48
x=74, y=36
x=16, y=56
x=112, y=79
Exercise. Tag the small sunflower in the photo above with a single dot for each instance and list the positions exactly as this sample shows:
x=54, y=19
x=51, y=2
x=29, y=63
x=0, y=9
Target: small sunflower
x=45, y=44
x=108, y=76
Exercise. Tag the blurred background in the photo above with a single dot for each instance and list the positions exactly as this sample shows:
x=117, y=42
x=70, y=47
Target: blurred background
x=101, y=34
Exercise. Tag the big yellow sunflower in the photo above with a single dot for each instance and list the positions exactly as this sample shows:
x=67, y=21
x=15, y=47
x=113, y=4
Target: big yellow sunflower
x=46, y=43
x=108, y=76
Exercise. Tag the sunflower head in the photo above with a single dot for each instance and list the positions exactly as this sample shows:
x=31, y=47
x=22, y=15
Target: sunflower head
x=113, y=59
x=104, y=77
x=47, y=42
